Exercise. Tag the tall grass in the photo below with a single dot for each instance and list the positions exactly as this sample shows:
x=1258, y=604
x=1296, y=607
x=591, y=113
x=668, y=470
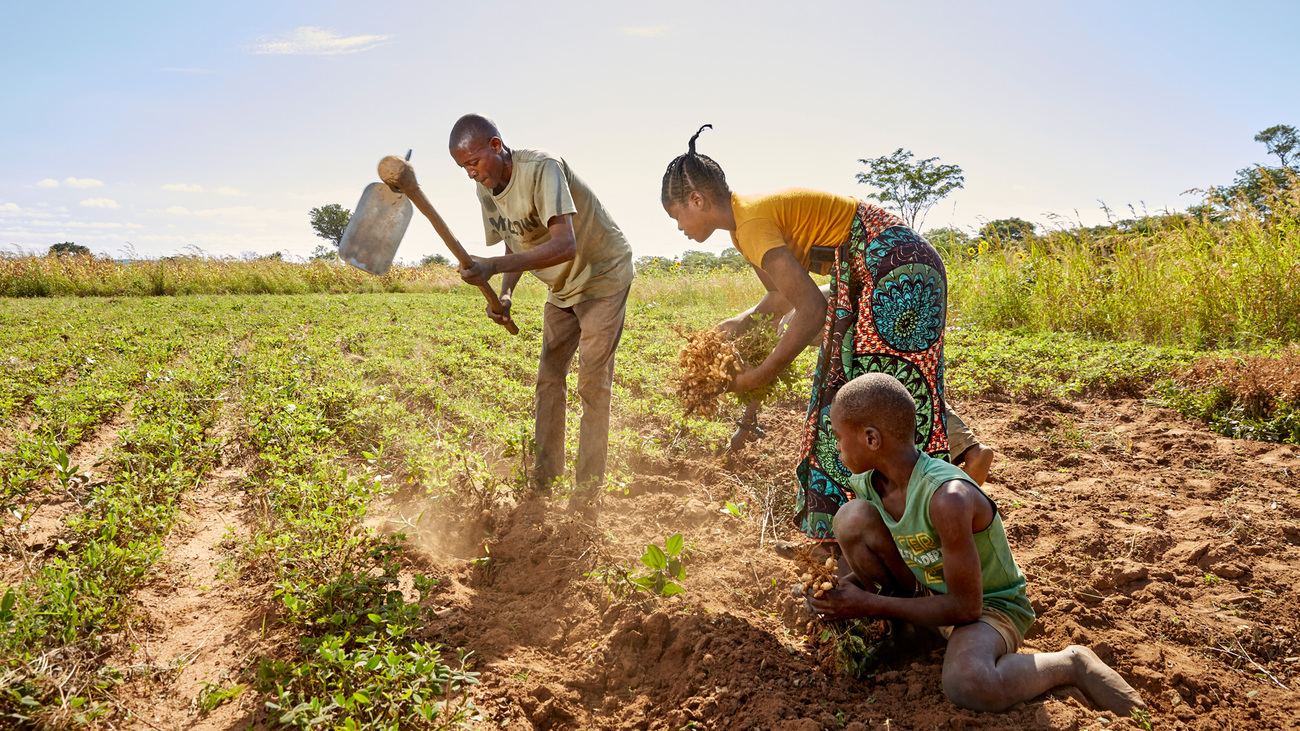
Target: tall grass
x=1198, y=282
x=82, y=276
x=1183, y=280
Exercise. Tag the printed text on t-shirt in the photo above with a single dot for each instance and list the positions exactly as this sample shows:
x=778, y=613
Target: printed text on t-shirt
x=517, y=228
x=920, y=551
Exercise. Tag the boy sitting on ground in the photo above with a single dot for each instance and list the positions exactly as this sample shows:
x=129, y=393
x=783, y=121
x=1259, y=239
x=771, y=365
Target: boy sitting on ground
x=927, y=546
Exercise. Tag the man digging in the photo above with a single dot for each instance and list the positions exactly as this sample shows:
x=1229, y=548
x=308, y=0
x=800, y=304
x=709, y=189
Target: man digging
x=553, y=226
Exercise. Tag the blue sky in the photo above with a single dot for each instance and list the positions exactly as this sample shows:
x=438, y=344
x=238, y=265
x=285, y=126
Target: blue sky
x=219, y=125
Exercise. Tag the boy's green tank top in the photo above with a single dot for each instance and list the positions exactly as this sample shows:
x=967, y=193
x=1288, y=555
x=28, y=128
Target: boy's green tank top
x=918, y=541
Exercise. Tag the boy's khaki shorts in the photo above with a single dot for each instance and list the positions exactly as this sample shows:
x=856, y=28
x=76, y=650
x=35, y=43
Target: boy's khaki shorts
x=999, y=622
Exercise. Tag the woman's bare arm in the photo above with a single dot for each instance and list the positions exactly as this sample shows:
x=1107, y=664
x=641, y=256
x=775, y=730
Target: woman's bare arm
x=791, y=282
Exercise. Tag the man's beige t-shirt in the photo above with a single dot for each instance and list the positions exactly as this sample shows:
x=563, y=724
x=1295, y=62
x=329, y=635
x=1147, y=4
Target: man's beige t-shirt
x=542, y=187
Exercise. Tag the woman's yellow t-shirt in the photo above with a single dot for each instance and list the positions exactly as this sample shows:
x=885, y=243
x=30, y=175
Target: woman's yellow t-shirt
x=796, y=218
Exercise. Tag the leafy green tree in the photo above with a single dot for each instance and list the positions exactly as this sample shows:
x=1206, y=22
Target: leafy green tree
x=1253, y=186
x=913, y=187
x=654, y=264
x=330, y=222
x=731, y=260
x=699, y=261
x=1007, y=230
x=323, y=253
x=435, y=259
x=69, y=248
x=948, y=240
x=1282, y=140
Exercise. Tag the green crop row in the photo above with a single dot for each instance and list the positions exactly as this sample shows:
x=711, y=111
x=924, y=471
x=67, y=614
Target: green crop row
x=339, y=400
x=71, y=607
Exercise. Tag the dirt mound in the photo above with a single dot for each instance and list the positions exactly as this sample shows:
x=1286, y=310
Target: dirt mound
x=1171, y=551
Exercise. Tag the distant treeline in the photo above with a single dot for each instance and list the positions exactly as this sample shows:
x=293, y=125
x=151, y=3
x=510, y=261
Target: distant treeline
x=692, y=262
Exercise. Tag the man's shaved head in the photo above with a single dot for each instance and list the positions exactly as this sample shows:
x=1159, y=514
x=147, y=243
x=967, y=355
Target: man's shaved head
x=879, y=400
x=472, y=130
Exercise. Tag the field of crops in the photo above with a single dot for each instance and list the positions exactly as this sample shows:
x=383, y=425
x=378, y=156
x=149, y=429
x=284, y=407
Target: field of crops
x=306, y=510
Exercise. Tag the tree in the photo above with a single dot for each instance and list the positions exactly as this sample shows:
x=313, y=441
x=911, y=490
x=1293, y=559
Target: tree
x=435, y=259
x=323, y=253
x=1282, y=140
x=330, y=222
x=67, y=247
x=731, y=260
x=1253, y=186
x=948, y=240
x=913, y=187
x=1007, y=230
x=654, y=264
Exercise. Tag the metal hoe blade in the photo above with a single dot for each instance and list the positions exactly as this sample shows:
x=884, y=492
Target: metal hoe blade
x=376, y=229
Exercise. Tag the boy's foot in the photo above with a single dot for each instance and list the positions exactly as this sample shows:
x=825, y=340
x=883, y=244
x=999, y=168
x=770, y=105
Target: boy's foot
x=1103, y=686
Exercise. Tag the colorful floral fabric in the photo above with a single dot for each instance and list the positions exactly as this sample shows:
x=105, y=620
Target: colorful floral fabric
x=886, y=314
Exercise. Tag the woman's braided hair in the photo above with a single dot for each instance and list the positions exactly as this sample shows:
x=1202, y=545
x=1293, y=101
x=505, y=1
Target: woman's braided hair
x=694, y=172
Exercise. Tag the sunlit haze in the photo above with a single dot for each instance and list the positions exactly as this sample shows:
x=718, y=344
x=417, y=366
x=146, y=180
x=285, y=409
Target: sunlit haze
x=153, y=127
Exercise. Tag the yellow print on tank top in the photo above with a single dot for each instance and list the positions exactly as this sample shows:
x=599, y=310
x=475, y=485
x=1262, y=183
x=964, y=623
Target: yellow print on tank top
x=920, y=551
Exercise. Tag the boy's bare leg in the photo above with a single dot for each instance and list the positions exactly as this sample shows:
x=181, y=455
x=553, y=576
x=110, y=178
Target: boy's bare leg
x=979, y=675
x=976, y=462
x=869, y=549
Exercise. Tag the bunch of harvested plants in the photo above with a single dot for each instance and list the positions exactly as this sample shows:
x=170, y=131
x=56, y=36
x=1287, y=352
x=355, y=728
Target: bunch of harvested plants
x=854, y=647
x=754, y=346
x=707, y=364
x=710, y=361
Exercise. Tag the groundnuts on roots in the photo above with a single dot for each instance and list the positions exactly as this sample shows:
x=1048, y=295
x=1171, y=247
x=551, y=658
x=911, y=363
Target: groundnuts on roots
x=707, y=364
x=817, y=577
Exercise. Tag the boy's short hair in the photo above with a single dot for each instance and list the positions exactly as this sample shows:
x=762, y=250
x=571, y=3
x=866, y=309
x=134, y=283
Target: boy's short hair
x=879, y=400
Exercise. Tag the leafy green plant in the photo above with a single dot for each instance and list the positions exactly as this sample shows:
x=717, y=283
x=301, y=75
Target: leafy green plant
x=858, y=646
x=754, y=346
x=1142, y=717
x=64, y=470
x=367, y=683
x=214, y=695
x=664, y=567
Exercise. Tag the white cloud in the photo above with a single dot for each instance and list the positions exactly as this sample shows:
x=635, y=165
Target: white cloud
x=99, y=203
x=187, y=70
x=229, y=191
x=323, y=195
x=184, y=187
x=13, y=209
x=312, y=41
x=231, y=214
x=83, y=183
x=83, y=224
x=48, y=183
x=646, y=31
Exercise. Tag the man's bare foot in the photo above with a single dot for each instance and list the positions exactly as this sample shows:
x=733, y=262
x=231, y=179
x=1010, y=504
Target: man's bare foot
x=1103, y=686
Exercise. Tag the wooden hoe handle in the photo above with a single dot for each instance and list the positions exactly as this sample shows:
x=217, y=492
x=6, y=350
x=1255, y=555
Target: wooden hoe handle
x=399, y=175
